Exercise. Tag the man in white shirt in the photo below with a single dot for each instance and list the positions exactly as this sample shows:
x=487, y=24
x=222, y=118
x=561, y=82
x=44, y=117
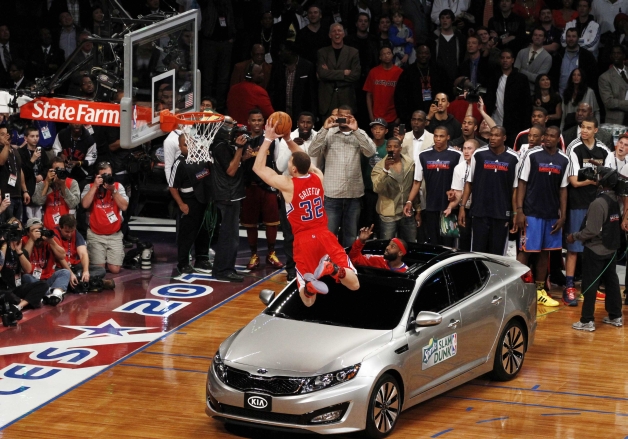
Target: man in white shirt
x=415, y=141
x=588, y=29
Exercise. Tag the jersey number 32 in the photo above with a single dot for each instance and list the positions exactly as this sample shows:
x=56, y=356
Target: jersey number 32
x=313, y=209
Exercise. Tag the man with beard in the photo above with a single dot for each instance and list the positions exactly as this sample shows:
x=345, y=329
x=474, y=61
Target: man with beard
x=391, y=260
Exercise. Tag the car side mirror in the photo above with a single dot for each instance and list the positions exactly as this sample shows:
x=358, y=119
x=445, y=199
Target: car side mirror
x=266, y=296
x=427, y=318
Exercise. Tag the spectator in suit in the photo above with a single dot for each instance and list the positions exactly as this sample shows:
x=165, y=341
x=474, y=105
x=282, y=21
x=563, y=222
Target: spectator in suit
x=534, y=60
x=46, y=58
x=475, y=66
x=16, y=72
x=9, y=50
x=313, y=36
x=292, y=88
x=245, y=96
x=585, y=111
x=338, y=69
x=257, y=57
x=614, y=87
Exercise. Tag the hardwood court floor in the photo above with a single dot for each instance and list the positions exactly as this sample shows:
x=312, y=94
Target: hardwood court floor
x=573, y=385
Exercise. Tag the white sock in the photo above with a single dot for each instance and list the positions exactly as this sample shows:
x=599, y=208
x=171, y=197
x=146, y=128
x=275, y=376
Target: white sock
x=58, y=292
x=18, y=306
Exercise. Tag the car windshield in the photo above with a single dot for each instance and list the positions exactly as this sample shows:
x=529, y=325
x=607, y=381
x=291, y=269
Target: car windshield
x=378, y=304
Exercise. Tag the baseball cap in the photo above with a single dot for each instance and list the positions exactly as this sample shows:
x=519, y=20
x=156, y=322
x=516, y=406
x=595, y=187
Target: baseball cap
x=33, y=222
x=379, y=121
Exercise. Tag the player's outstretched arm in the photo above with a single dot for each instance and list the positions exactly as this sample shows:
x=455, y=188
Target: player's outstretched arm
x=268, y=175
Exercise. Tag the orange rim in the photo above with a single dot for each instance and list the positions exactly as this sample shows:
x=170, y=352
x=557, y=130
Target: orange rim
x=170, y=122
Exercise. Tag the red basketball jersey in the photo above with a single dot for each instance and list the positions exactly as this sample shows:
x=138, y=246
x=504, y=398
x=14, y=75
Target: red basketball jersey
x=306, y=212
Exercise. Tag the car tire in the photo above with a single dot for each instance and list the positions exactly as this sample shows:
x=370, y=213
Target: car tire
x=384, y=407
x=510, y=352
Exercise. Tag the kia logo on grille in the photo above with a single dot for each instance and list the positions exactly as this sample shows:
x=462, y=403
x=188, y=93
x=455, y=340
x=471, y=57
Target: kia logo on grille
x=257, y=402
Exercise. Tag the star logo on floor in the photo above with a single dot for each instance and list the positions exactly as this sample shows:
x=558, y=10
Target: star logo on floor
x=110, y=328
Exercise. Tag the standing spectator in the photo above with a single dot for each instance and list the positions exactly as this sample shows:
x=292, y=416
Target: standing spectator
x=534, y=60
x=459, y=9
x=392, y=181
x=584, y=152
x=435, y=166
x=379, y=129
x=469, y=132
x=545, y=96
x=419, y=13
x=475, y=66
x=216, y=42
x=508, y=97
x=605, y=11
x=77, y=148
x=35, y=166
x=16, y=73
x=261, y=199
x=68, y=35
x=438, y=116
x=565, y=14
x=523, y=141
x=257, y=57
x=610, y=39
x=418, y=85
x=402, y=41
x=58, y=196
x=587, y=28
x=508, y=28
x=488, y=47
x=227, y=192
x=584, y=111
x=9, y=50
x=270, y=36
x=569, y=58
x=530, y=11
x=448, y=47
x=383, y=26
x=313, y=36
x=461, y=171
x=621, y=153
x=490, y=181
x=614, y=87
x=105, y=201
x=542, y=206
x=551, y=42
x=292, y=87
x=380, y=88
x=418, y=138
x=12, y=179
x=338, y=69
x=245, y=96
x=47, y=57
x=80, y=11
x=341, y=144
x=576, y=92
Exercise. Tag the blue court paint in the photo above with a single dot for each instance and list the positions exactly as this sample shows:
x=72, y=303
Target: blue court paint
x=536, y=387
x=469, y=409
x=442, y=432
x=491, y=420
x=588, y=395
x=181, y=333
x=559, y=414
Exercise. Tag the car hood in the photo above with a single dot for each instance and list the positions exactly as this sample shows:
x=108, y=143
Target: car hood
x=279, y=344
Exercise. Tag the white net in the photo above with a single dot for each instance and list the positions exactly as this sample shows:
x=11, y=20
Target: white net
x=199, y=137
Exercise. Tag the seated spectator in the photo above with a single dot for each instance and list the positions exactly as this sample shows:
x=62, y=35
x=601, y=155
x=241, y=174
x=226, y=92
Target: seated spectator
x=588, y=29
x=564, y=15
x=547, y=97
x=35, y=165
x=391, y=260
x=77, y=256
x=44, y=253
x=14, y=262
x=534, y=60
x=244, y=96
x=575, y=93
x=392, y=181
x=614, y=87
x=77, y=148
x=401, y=37
x=105, y=201
x=439, y=116
x=257, y=57
x=59, y=196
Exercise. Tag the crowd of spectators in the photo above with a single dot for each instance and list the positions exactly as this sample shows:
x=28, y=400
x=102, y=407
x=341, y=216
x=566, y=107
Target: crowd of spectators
x=415, y=111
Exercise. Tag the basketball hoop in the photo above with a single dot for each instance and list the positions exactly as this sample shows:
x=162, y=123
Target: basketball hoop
x=199, y=130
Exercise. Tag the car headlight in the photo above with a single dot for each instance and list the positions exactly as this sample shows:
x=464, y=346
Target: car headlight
x=329, y=379
x=219, y=367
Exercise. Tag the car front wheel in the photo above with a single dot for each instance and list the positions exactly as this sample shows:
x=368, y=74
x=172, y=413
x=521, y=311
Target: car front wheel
x=510, y=352
x=384, y=407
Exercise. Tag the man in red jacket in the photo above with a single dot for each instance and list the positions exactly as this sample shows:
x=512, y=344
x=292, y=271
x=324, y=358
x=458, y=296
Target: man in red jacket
x=391, y=260
x=245, y=96
x=105, y=201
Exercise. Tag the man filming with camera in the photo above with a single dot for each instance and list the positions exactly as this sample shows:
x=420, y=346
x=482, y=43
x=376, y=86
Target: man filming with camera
x=600, y=235
x=57, y=193
x=105, y=200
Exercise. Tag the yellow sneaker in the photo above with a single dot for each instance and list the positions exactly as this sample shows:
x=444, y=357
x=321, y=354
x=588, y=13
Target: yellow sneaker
x=543, y=299
x=253, y=262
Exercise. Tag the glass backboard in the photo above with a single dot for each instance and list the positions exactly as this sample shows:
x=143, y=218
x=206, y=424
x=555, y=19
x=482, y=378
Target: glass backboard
x=160, y=72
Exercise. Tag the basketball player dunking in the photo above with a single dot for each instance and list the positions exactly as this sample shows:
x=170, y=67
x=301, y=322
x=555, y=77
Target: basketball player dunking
x=316, y=249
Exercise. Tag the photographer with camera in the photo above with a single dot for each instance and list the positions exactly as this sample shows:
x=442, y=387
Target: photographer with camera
x=105, y=200
x=87, y=277
x=35, y=164
x=600, y=235
x=15, y=296
x=77, y=148
x=44, y=253
x=57, y=193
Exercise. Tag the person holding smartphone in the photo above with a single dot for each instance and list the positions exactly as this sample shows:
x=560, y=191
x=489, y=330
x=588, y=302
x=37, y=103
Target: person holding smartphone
x=35, y=165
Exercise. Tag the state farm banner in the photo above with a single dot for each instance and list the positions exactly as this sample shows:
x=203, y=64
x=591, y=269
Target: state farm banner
x=72, y=111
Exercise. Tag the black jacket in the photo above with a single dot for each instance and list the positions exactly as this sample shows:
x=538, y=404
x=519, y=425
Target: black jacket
x=225, y=187
x=40, y=64
x=517, y=103
x=515, y=26
x=483, y=72
x=409, y=93
x=303, y=92
x=586, y=62
x=77, y=152
x=41, y=165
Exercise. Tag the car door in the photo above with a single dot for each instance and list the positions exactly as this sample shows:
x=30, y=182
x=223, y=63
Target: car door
x=431, y=357
x=481, y=302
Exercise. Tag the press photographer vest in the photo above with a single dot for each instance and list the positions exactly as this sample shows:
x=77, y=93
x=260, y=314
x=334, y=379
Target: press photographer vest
x=99, y=222
x=611, y=229
x=55, y=207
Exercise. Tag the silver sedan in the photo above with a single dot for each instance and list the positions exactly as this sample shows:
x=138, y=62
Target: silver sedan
x=356, y=359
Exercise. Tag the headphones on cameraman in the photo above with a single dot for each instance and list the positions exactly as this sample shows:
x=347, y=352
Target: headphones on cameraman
x=249, y=72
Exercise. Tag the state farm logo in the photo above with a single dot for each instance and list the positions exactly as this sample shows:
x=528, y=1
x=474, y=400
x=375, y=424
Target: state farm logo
x=72, y=111
x=257, y=402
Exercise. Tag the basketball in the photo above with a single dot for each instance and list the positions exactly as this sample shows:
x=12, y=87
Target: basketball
x=284, y=122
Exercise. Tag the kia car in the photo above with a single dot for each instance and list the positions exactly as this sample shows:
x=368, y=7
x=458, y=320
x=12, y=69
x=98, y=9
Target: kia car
x=356, y=359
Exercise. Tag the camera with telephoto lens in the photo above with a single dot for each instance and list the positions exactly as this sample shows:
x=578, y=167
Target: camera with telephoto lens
x=237, y=131
x=61, y=173
x=607, y=177
x=10, y=233
x=107, y=179
x=45, y=233
x=474, y=94
x=9, y=312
